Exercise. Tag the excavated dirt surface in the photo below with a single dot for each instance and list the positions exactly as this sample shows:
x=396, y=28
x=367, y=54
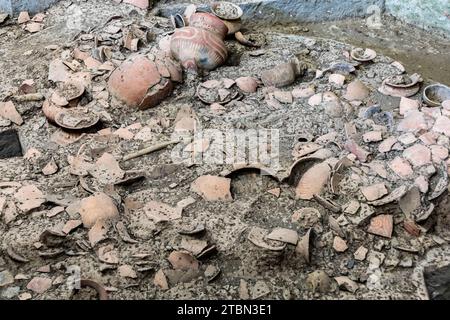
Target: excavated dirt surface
x=246, y=270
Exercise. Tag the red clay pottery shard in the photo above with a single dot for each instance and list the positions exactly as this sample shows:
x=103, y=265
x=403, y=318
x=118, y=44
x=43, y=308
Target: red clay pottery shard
x=39, y=284
x=138, y=83
x=8, y=111
x=356, y=90
x=183, y=261
x=313, y=181
x=29, y=198
x=418, y=155
x=247, y=84
x=339, y=244
x=381, y=225
x=374, y=192
x=107, y=169
x=212, y=188
x=201, y=45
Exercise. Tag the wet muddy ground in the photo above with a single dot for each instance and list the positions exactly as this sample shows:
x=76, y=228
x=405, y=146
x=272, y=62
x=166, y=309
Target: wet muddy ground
x=135, y=266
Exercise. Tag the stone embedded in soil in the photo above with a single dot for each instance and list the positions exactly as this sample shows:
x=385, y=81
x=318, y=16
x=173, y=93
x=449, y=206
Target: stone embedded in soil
x=381, y=225
x=418, y=155
x=283, y=235
x=360, y=253
x=356, y=90
x=212, y=188
x=414, y=121
x=39, y=284
x=372, y=136
x=374, y=192
x=8, y=111
x=183, y=261
x=339, y=244
x=438, y=153
x=401, y=167
x=313, y=181
x=29, y=198
x=387, y=144
x=407, y=105
x=247, y=84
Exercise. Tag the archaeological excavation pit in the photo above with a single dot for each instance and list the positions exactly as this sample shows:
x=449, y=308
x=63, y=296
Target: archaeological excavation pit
x=259, y=149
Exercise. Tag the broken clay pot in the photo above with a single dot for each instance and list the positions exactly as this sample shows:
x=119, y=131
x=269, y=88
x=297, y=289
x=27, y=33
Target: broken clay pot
x=144, y=81
x=201, y=45
x=282, y=75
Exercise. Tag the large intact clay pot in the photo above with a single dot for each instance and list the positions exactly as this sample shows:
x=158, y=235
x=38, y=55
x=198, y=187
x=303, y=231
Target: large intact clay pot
x=143, y=81
x=201, y=45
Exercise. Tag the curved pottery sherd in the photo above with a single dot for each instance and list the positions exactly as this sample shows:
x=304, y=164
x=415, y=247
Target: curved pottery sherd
x=143, y=83
x=198, y=48
x=50, y=110
x=76, y=118
x=403, y=81
x=226, y=10
x=209, y=22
